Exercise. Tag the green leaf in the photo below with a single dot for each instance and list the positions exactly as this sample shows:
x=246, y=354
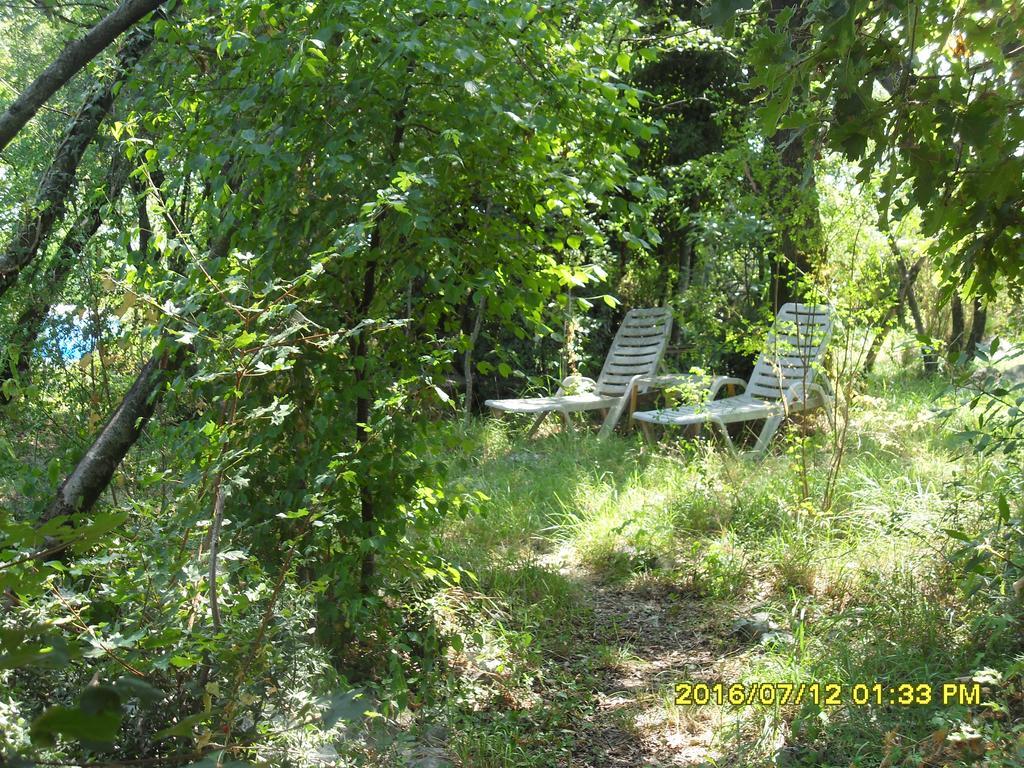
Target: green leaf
x=98, y=728
x=97, y=699
x=102, y=524
x=718, y=12
x=53, y=471
x=184, y=726
x=347, y=706
x=245, y=339
x=771, y=111
x=129, y=687
x=48, y=654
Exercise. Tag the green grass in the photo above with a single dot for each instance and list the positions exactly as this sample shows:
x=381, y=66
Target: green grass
x=863, y=586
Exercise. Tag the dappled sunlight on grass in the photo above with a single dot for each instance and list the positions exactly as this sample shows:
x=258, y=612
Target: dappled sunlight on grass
x=627, y=566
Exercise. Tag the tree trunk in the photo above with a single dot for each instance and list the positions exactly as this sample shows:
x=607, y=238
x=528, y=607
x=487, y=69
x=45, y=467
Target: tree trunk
x=956, y=336
x=800, y=237
x=70, y=61
x=467, y=405
x=686, y=255
x=30, y=322
x=141, y=193
x=979, y=318
x=94, y=471
x=796, y=194
x=905, y=281
x=907, y=298
x=57, y=182
x=885, y=326
x=928, y=355
x=80, y=490
x=366, y=506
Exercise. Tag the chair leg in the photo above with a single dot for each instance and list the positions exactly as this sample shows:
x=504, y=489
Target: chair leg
x=723, y=430
x=612, y=416
x=829, y=404
x=771, y=425
x=565, y=421
x=536, y=423
x=648, y=431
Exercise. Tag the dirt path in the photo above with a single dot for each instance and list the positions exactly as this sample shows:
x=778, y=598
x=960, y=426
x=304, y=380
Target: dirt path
x=647, y=640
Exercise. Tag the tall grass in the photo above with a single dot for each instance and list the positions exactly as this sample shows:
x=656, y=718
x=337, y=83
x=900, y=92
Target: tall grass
x=863, y=589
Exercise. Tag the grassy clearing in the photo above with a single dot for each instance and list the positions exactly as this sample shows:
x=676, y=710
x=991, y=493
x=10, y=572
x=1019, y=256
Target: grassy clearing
x=608, y=572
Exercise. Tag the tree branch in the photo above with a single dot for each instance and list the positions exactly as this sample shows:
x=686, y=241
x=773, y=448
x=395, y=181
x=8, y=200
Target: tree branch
x=71, y=60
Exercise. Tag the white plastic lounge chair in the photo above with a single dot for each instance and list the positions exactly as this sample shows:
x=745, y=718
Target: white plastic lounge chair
x=635, y=353
x=786, y=379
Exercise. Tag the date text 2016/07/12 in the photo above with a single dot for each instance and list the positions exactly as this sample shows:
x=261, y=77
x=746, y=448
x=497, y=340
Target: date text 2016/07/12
x=829, y=694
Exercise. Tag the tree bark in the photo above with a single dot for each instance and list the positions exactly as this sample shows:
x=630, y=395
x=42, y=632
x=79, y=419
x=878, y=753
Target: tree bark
x=59, y=178
x=686, y=259
x=467, y=405
x=796, y=194
x=141, y=194
x=71, y=60
x=367, y=510
x=800, y=231
x=879, y=339
x=979, y=318
x=908, y=276
x=928, y=355
x=94, y=471
x=80, y=490
x=957, y=336
x=905, y=282
x=30, y=322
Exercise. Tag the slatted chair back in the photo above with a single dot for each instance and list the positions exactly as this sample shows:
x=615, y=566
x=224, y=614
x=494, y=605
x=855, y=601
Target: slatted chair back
x=794, y=350
x=637, y=349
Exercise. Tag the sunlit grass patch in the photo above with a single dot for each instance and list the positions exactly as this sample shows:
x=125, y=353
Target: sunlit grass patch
x=859, y=589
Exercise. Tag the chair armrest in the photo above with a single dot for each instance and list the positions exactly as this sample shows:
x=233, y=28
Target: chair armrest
x=722, y=381
x=576, y=384
x=798, y=393
x=826, y=383
x=663, y=380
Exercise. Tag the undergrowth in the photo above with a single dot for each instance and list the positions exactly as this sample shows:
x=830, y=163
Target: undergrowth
x=863, y=592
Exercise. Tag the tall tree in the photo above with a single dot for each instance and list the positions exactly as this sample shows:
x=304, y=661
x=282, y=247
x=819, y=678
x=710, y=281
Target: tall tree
x=80, y=490
x=71, y=60
x=795, y=186
x=925, y=94
x=17, y=359
x=94, y=471
x=58, y=180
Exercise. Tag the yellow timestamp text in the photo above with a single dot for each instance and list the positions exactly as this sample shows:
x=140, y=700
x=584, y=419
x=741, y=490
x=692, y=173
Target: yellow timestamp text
x=829, y=694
